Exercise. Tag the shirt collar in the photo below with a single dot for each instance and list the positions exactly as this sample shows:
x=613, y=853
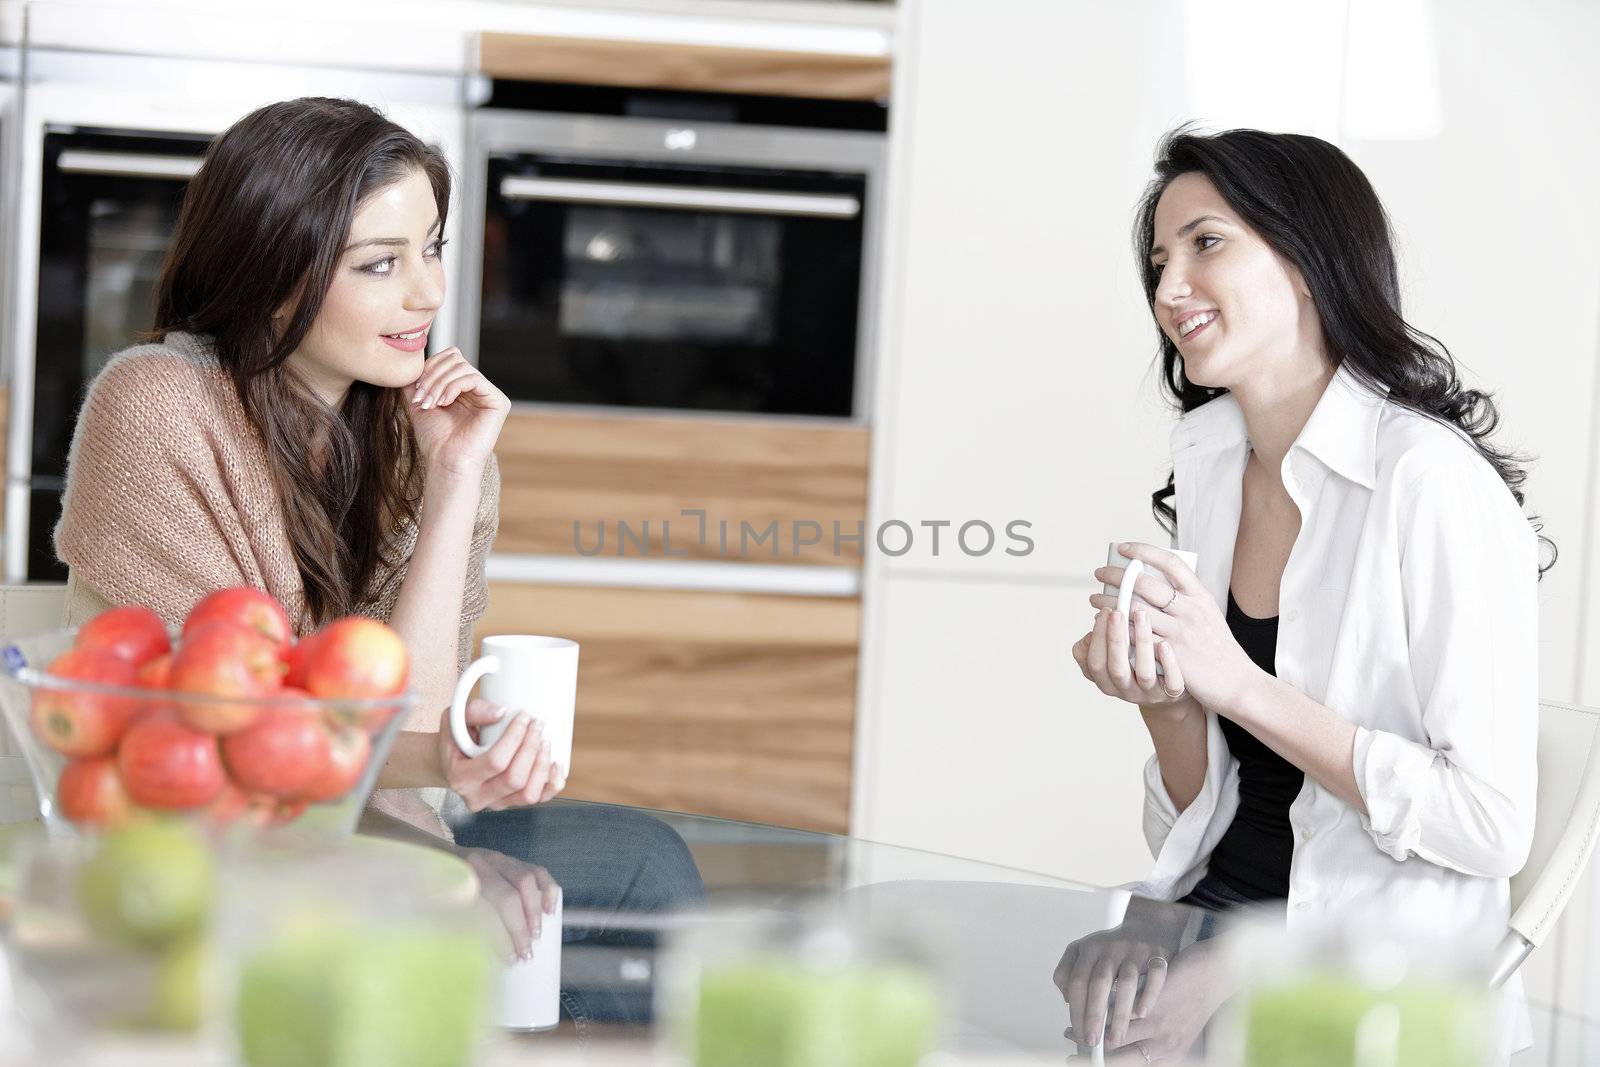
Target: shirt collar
x=1341, y=434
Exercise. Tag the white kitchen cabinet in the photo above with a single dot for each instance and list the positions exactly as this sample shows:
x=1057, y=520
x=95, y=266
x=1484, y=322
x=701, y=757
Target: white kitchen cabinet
x=1018, y=377
x=986, y=742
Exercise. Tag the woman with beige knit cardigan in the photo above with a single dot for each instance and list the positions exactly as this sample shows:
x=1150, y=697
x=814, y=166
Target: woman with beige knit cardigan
x=285, y=429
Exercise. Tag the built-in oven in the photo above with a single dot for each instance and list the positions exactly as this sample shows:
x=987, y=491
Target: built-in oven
x=109, y=205
x=658, y=263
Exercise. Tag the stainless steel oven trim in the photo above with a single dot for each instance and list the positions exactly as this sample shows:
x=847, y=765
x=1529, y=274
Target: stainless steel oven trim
x=22, y=291
x=491, y=132
x=611, y=411
x=23, y=223
x=717, y=576
x=128, y=164
x=630, y=194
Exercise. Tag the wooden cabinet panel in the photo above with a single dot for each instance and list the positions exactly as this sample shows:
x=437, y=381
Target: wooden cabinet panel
x=597, y=471
x=702, y=68
x=725, y=704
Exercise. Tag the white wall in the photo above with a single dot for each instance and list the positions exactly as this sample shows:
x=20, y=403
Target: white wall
x=1016, y=353
x=1016, y=377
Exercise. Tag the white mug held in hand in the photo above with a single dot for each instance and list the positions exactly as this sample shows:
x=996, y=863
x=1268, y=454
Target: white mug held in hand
x=1135, y=567
x=521, y=672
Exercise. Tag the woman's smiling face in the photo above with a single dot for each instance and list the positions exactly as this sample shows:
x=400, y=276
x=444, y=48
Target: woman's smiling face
x=386, y=288
x=1230, y=303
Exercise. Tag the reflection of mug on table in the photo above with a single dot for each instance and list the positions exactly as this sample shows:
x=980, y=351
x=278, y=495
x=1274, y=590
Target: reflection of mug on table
x=522, y=672
x=529, y=993
x=1126, y=598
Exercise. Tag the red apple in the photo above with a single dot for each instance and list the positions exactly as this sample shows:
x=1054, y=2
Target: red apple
x=133, y=632
x=165, y=764
x=234, y=804
x=91, y=792
x=157, y=673
x=356, y=658
x=286, y=811
x=244, y=606
x=296, y=658
x=225, y=660
x=346, y=757
x=230, y=804
x=283, y=751
x=78, y=722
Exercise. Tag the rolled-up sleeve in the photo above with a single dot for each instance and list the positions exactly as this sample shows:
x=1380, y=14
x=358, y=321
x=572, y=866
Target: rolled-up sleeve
x=1160, y=813
x=1461, y=795
x=1181, y=842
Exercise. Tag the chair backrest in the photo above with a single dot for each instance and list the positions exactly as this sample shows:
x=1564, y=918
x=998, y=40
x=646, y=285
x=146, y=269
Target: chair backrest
x=24, y=610
x=1567, y=820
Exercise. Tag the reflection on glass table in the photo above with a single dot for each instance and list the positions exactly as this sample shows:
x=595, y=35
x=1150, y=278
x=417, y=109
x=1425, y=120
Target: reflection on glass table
x=1018, y=957
x=992, y=936
x=693, y=940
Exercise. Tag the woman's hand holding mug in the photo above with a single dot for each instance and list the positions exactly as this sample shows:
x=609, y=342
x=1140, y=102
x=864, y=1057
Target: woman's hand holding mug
x=1108, y=980
x=1184, y=624
x=521, y=894
x=514, y=771
x=1121, y=654
x=496, y=759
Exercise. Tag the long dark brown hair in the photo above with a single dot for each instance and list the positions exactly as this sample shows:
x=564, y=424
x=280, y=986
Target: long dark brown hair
x=262, y=228
x=1313, y=205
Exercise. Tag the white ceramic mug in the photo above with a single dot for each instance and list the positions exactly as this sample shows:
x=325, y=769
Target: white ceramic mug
x=1135, y=567
x=521, y=672
x=529, y=991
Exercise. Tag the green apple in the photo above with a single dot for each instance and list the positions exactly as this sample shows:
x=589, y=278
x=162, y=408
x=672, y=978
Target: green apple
x=1325, y=1021
x=148, y=884
x=781, y=1014
x=333, y=994
x=180, y=983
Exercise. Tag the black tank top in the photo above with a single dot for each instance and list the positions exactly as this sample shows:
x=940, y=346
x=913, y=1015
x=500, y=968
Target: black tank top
x=1253, y=855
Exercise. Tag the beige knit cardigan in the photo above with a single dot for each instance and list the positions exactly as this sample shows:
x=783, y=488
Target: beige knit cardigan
x=169, y=496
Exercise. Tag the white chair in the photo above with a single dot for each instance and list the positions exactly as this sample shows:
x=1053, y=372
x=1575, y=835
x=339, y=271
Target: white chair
x=24, y=610
x=1566, y=823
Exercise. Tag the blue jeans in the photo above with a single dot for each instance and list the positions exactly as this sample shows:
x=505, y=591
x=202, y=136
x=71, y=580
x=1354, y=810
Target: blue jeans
x=605, y=858
x=1217, y=898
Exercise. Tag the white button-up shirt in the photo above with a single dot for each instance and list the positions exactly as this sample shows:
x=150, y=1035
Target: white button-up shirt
x=1408, y=606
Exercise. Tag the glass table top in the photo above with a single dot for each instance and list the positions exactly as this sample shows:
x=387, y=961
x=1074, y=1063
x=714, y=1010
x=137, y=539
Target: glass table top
x=1007, y=946
x=653, y=902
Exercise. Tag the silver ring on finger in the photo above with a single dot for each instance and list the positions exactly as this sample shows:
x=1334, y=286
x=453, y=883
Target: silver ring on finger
x=1170, y=600
x=1153, y=960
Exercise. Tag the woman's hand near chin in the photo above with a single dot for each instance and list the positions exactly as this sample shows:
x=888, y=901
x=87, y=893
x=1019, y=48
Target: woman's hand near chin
x=456, y=413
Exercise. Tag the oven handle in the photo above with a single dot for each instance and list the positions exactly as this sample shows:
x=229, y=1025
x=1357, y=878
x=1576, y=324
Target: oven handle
x=742, y=201
x=127, y=164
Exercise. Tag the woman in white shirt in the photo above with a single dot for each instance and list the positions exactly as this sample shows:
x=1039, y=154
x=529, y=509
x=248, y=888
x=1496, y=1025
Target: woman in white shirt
x=1348, y=708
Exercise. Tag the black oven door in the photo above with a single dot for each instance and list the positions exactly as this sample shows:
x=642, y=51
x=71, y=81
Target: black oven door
x=109, y=207
x=661, y=285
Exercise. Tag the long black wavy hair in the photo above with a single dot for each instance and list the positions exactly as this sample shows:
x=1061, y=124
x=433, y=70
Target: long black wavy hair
x=1315, y=208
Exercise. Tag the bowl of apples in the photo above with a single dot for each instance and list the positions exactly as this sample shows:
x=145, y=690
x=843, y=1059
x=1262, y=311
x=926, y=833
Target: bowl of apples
x=227, y=720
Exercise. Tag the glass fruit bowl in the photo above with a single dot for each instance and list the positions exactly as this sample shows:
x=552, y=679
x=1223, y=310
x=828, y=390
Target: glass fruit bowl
x=101, y=754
